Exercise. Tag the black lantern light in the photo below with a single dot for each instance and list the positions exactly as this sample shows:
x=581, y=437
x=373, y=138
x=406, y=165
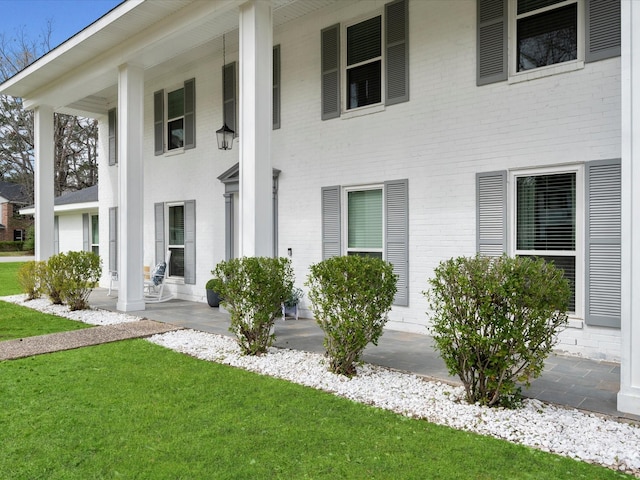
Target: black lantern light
x=225, y=134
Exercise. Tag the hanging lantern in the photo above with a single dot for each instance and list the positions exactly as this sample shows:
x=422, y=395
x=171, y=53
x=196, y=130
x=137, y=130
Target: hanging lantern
x=225, y=134
x=225, y=137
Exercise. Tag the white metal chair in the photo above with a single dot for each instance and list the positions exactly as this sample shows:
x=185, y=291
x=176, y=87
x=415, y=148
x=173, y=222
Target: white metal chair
x=113, y=277
x=154, y=287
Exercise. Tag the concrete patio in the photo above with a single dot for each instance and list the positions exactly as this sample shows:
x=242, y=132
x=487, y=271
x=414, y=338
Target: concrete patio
x=569, y=381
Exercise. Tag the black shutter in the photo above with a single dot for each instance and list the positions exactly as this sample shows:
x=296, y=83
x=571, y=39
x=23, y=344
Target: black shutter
x=397, y=49
x=330, y=45
x=158, y=122
x=190, y=114
x=492, y=41
x=602, y=29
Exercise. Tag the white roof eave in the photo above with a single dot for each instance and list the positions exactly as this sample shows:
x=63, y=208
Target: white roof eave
x=81, y=75
x=70, y=208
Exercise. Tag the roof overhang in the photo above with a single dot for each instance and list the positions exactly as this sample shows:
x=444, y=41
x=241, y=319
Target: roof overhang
x=80, y=76
x=87, y=207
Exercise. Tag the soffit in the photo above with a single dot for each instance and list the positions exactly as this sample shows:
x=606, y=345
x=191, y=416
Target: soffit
x=154, y=34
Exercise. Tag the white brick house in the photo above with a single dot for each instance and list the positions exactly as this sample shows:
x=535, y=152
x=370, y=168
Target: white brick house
x=415, y=130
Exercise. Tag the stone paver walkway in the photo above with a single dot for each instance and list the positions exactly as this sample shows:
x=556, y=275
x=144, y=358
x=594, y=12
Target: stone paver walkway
x=55, y=342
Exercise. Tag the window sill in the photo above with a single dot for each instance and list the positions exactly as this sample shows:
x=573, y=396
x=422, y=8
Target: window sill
x=359, y=112
x=546, y=71
x=175, y=280
x=575, y=322
x=175, y=151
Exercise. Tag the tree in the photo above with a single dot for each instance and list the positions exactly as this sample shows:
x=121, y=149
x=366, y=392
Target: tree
x=75, y=138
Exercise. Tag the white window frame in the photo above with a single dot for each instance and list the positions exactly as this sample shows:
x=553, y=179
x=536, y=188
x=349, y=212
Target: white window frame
x=568, y=66
x=167, y=232
x=344, y=90
x=345, y=218
x=168, y=149
x=580, y=227
x=93, y=218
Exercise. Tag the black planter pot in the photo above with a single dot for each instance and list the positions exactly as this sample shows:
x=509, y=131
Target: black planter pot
x=213, y=299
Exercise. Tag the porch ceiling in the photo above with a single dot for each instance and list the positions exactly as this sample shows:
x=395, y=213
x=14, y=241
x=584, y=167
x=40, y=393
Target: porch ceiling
x=81, y=75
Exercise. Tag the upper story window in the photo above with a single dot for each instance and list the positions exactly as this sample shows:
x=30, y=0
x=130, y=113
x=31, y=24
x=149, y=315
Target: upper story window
x=366, y=62
x=174, y=118
x=526, y=39
x=546, y=33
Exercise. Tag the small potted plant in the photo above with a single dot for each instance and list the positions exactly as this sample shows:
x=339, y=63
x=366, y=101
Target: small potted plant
x=213, y=299
x=290, y=305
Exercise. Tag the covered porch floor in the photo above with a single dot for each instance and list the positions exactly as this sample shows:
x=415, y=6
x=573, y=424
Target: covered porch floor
x=569, y=381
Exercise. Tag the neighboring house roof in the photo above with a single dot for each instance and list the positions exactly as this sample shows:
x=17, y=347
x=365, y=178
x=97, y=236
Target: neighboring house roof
x=84, y=199
x=13, y=192
x=89, y=194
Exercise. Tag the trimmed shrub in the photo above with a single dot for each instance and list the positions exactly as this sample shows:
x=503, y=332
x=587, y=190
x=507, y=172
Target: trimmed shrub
x=495, y=320
x=30, y=276
x=350, y=299
x=53, y=278
x=82, y=271
x=11, y=246
x=252, y=289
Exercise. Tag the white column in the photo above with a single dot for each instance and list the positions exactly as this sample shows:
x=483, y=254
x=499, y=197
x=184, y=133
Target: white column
x=256, y=80
x=130, y=174
x=43, y=181
x=629, y=395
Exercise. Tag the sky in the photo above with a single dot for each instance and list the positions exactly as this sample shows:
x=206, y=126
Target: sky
x=67, y=17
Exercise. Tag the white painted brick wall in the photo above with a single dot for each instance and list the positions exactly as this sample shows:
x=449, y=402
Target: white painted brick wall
x=449, y=130
x=70, y=232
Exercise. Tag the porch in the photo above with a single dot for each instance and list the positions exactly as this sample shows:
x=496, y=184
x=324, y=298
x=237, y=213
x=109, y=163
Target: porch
x=570, y=381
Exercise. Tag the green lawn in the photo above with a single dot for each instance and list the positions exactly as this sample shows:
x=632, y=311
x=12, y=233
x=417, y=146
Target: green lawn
x=136, y=410
x=20, y=322
x=8, y=278
x=17, y=321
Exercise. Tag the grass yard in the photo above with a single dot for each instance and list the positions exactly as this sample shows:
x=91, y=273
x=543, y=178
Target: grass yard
x=20, y=322
x=136, y=410
x=9, y=278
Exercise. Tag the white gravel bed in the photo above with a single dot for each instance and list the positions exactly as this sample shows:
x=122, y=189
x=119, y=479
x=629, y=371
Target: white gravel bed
x=92, y=317
x=568, y=432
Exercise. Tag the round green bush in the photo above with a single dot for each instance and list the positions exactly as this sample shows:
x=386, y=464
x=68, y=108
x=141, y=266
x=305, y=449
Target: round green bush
x=350, y=299
x=495, y=320
x=253, y=289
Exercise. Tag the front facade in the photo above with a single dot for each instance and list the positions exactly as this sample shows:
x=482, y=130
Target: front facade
x=411, y=130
